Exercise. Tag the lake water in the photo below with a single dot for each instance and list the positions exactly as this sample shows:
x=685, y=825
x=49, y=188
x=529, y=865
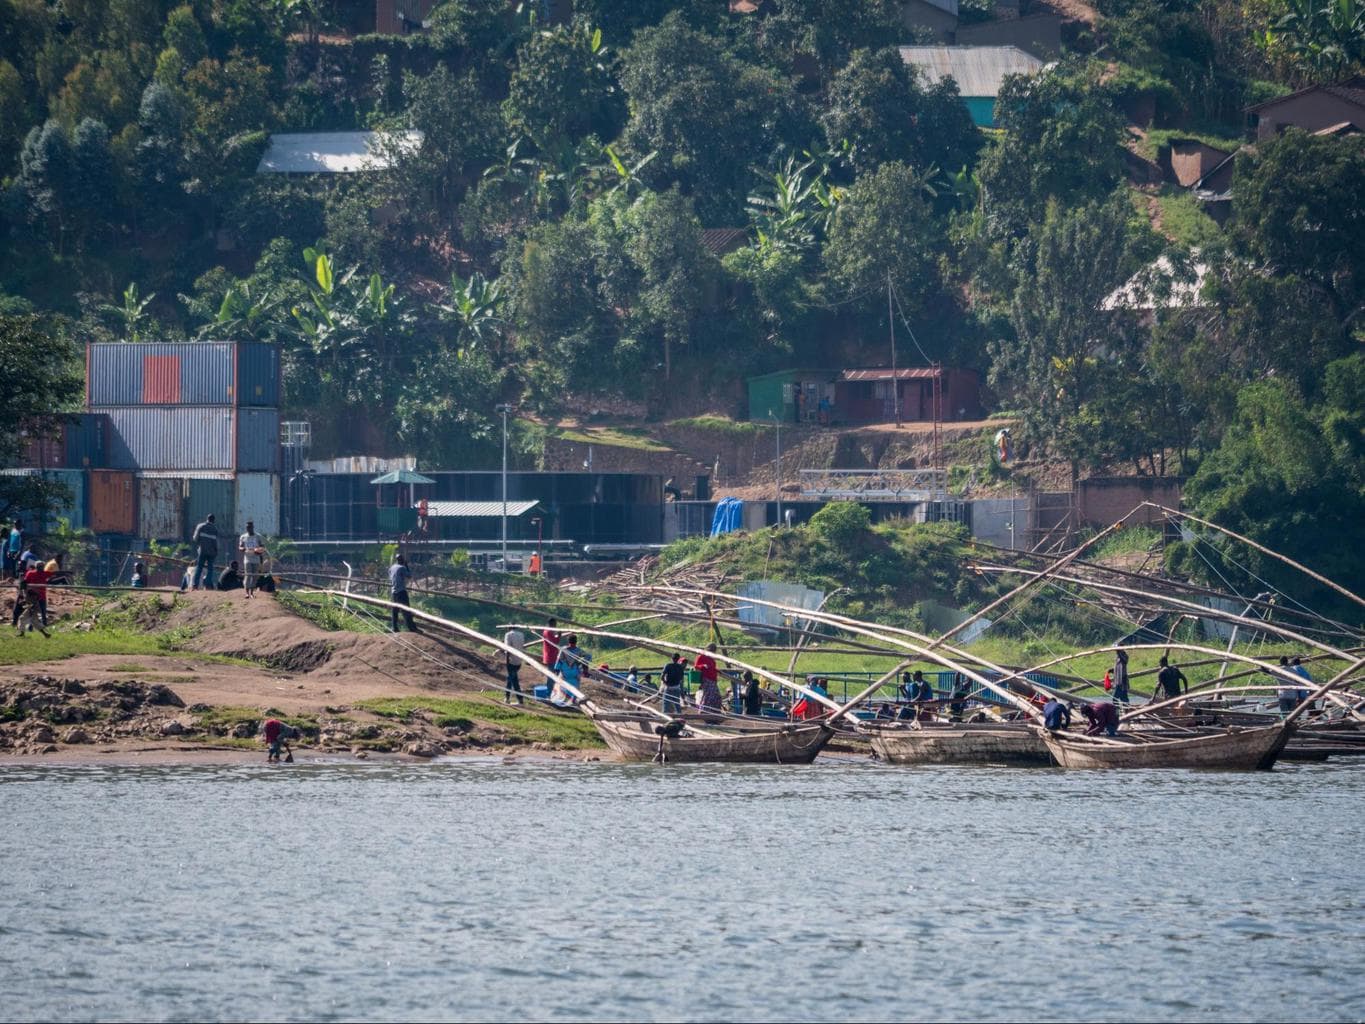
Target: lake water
x=845, y=890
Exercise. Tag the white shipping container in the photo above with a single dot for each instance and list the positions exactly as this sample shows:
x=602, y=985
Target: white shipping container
x=160, y=509
x=258, y=501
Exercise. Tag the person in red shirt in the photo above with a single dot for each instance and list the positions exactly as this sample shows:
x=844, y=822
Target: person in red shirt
x=35, y=599
x=549, y=645
x=706, y=668
x=277, y=736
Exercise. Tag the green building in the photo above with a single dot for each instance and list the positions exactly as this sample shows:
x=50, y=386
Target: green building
x=792, y=396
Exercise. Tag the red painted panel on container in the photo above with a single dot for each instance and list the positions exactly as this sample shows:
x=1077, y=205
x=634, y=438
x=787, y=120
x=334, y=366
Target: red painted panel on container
x=160, y=379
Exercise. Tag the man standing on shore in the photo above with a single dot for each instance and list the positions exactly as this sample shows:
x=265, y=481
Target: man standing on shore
x=515, y=639
x=14, y=541
x=206, y=540
x=399, y=577
x=252, y=551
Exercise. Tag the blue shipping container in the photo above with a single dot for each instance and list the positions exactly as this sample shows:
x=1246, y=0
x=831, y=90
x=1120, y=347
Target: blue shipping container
x=171, y=437
x=182, y=373
x=74, y=510
x=258, y=440
x=258, y=375
x=85, y=441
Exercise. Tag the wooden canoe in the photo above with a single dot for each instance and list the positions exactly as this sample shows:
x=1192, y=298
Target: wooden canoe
x=959, y=743
x=637, y=738
x=1231, y=749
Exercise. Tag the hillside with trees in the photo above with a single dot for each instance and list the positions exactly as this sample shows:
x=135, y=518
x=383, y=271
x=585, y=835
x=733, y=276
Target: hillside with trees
x=544, y=243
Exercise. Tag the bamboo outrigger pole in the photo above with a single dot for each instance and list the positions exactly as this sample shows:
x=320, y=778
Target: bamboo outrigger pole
x=1263, y=549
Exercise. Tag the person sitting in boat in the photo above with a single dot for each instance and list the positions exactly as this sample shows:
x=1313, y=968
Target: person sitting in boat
x=570, y=669
x=885, y=711
x=922, y=694
x=1102, y=717
x=1288, y=693
x=1300, y=669
x=961, y=688
x=906, y=688
x=1056, y=715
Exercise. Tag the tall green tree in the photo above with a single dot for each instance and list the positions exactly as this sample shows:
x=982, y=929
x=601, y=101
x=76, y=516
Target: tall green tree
x=564, y=88
x=1072, y=365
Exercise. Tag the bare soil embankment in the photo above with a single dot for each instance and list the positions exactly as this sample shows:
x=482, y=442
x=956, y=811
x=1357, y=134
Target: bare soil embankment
x=230, y=663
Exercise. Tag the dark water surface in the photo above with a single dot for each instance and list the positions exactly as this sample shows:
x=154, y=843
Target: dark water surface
x=845, y=890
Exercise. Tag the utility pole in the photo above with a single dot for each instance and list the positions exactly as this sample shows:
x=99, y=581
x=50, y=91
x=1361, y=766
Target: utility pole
x=504, y=409
x=778, y=423
x=895, y=384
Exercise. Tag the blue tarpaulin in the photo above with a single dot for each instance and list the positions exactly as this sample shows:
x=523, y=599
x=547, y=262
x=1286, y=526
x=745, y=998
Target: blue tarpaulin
x=729, y=516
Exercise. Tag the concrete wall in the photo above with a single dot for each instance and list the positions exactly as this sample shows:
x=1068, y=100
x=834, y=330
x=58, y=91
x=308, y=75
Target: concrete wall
x=991, y=519
x=1104, y=500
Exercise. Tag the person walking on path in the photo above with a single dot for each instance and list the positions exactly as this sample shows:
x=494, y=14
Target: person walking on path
x=14, y=543
x=399, y=577
x=515, y=639
x=252, y=550
x=206, y=541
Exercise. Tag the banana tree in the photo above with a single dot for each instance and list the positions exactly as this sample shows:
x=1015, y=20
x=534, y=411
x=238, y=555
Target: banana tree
x=133, y=312
x=475, y=308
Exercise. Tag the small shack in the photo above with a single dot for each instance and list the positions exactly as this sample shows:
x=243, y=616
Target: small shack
x=394, y=514
x=977, y=70
x=478, y=520
x=792, y=396
x=1332, y=106
x=869, y=395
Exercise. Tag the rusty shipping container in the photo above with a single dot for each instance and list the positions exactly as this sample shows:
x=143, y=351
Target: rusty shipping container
x=43, y=444
x=160, y=508
x=182, y=373
x=112, y=497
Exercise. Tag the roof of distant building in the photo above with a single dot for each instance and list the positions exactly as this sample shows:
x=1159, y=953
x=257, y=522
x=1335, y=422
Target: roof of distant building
x=1161, y=286
x=723, y=240
x=885, y=373
x=333, y=152
x=476, y=509
x=977, y=70
x=1352, y=90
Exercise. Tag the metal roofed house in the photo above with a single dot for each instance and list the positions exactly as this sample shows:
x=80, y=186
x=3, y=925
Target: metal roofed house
x=334, y=152
x=1161, y=285
x=977, y=70
x=1334, y=106
x=867, y=396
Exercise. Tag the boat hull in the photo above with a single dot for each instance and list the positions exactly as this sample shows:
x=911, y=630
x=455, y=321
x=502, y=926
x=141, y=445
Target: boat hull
x=1233, y=750
x=637, y=740
x=960, y=744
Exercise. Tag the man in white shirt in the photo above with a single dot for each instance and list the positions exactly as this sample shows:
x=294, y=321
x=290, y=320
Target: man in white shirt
x=515, y=639
x=252, y=550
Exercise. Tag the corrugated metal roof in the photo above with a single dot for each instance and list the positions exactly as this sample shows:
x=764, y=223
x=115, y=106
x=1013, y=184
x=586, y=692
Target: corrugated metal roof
x=1352, y=90
x=978, y=70
x=1161, y=286
x=723, y=240
x=476, y=509
x=331, y=152
x=908, y=373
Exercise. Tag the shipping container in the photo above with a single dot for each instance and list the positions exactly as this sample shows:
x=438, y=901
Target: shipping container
x=258, y=441
x=182, y=373
x=258, y=375
x=42, y=445
x=160, y=508
x=258, y=501
x=74, y=510
x=214, y=495
x=181, y=437
x=85, y=441
x=112, y=496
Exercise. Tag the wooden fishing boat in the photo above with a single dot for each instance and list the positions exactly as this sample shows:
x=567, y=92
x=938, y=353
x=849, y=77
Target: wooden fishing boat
x=642, y=738
x=958, y=743
x=1231, y=749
